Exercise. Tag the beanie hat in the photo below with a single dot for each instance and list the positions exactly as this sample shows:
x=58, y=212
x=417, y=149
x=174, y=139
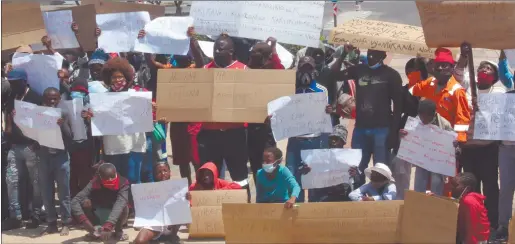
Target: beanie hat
x=496, y=68
x=98, y=57
x=443, y=55
x=17, y=74
x=341, y=132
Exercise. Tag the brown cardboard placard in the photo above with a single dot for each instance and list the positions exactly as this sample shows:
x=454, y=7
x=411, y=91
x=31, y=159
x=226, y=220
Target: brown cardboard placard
x=484, y=24
x=343, y=222
x=22, y=24
x=206, y=211
x=220, y=95
x=511, y=231
x=108, y=7
x=85, y=17
x=384, y=36
x=428, y=219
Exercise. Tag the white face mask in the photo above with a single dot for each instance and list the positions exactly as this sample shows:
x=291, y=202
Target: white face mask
x=269, y=168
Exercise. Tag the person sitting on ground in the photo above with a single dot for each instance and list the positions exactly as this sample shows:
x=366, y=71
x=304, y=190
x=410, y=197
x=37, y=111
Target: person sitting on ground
x=207, y=179
x=154, y=233
x=275, y=183
x=381, y=186
x=103, y=200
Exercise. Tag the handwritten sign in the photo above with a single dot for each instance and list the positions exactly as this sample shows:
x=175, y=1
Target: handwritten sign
x=120, y=30
x=484, y=24
x=344, y=222
x=161, y=203
x=58, y=25
x=121, y=113
x=329, y=167
x=22, y=24
x=84, y=17
x=495, y=119
x=292, y=22
x=299, y=114
x=72, y=109
x=220, y=95
x=428, y=219
x=384, y=36
x=41, y=70
x=39, y=123
x=166, y=35
x=429, y=147
x=206, y=211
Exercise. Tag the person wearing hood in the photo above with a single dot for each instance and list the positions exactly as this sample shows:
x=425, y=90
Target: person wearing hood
x=207, y=179
x=381, y=186
x=274, y=182
x=473, y=224
x=377, y=87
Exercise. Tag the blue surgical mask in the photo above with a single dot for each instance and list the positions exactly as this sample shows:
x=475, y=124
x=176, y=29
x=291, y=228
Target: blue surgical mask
x=77, y=94
x=375, y=66
x=269, y=168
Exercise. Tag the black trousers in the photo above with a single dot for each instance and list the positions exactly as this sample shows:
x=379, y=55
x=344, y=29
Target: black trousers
x=259, y=137
x=5, y=198
x=229, y=145
x=483, y=162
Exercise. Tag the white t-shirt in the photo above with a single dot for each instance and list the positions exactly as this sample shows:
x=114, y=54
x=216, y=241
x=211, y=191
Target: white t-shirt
x=122, y=144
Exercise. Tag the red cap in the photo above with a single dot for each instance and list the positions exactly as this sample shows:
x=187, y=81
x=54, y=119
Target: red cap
x=443, y=55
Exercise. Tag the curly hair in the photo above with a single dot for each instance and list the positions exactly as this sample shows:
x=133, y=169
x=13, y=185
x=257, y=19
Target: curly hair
x=117, y=64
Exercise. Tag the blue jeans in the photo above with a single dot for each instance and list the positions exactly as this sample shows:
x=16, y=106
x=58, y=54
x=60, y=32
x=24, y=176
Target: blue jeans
x=294, y=161
x=121, y=162
x=147, y=167
x=421, y=177
x=22, y=161
x=55, y=168
x=370, y=141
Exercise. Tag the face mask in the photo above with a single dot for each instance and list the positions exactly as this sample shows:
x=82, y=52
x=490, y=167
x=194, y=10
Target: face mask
x=269, y=168
x=375, y=66
x=414, y=78
x=77, y=94
x=118, y=86
x=111, y=184
x=485, y=79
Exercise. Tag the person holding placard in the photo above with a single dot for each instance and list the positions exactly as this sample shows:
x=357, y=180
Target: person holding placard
x=95, y=64
x=381, y=186
x=103, y=201
x=274, y=182
x=154, y=233
x=21, y=156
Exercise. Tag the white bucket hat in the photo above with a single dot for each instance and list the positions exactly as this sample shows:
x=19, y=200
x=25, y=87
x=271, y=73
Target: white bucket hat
x=381, y=169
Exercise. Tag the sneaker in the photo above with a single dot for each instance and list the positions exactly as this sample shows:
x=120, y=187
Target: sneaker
x=11, y=224
x=502, y=234
x=34, y=223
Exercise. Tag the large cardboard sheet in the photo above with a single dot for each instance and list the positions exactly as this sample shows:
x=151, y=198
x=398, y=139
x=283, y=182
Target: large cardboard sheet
x=345, y=222
x=484, y=24
x=220, y=95
x=84, y=16
x=22, y=24
x=206, y=211
x=384, y=36
x=428, y=219
x=108, y=7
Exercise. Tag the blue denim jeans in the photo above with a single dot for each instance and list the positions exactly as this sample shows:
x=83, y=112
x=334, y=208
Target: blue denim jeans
x=22, y=162
x=294, y=161
x=421, y=177
x=55, y=168
x=370, y=141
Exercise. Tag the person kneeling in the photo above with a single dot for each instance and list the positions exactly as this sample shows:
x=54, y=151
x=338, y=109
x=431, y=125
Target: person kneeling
x=151, y=233
x=103, y=200
x=381, y=185
x=274, y=182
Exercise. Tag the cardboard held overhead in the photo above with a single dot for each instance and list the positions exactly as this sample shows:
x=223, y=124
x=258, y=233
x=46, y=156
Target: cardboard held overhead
x=220, y=95
x=484, y=24
x=384, y=36
x=108, y=7
x=206, y=211
x=22, y=24
x=84, y=16
x=428, y=219
x=343, y=222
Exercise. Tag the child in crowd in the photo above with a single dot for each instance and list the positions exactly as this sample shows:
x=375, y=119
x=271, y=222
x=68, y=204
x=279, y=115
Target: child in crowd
x=54, y=166
x=207, y=179
x=381, y=186
x=274, y=182
x=103, y=200
x=150, y=233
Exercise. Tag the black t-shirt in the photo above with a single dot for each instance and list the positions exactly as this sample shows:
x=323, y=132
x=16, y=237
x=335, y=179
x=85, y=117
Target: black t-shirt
x=375, y=91
x=16, y=136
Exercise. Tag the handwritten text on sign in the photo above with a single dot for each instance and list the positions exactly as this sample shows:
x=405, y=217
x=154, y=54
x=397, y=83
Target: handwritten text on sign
x=495, y=119
x=329, y=167
x=166, y=35
x=58, y=25
x=429, y=147
x=298, y=115
x=120, y=30
x=161, y=203
x=121, y=113
x=292, y=22
x=206, y=211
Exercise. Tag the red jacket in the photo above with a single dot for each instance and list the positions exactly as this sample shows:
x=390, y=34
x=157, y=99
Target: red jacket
x=276, y=61
x=473, y=224
x=219, y=184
